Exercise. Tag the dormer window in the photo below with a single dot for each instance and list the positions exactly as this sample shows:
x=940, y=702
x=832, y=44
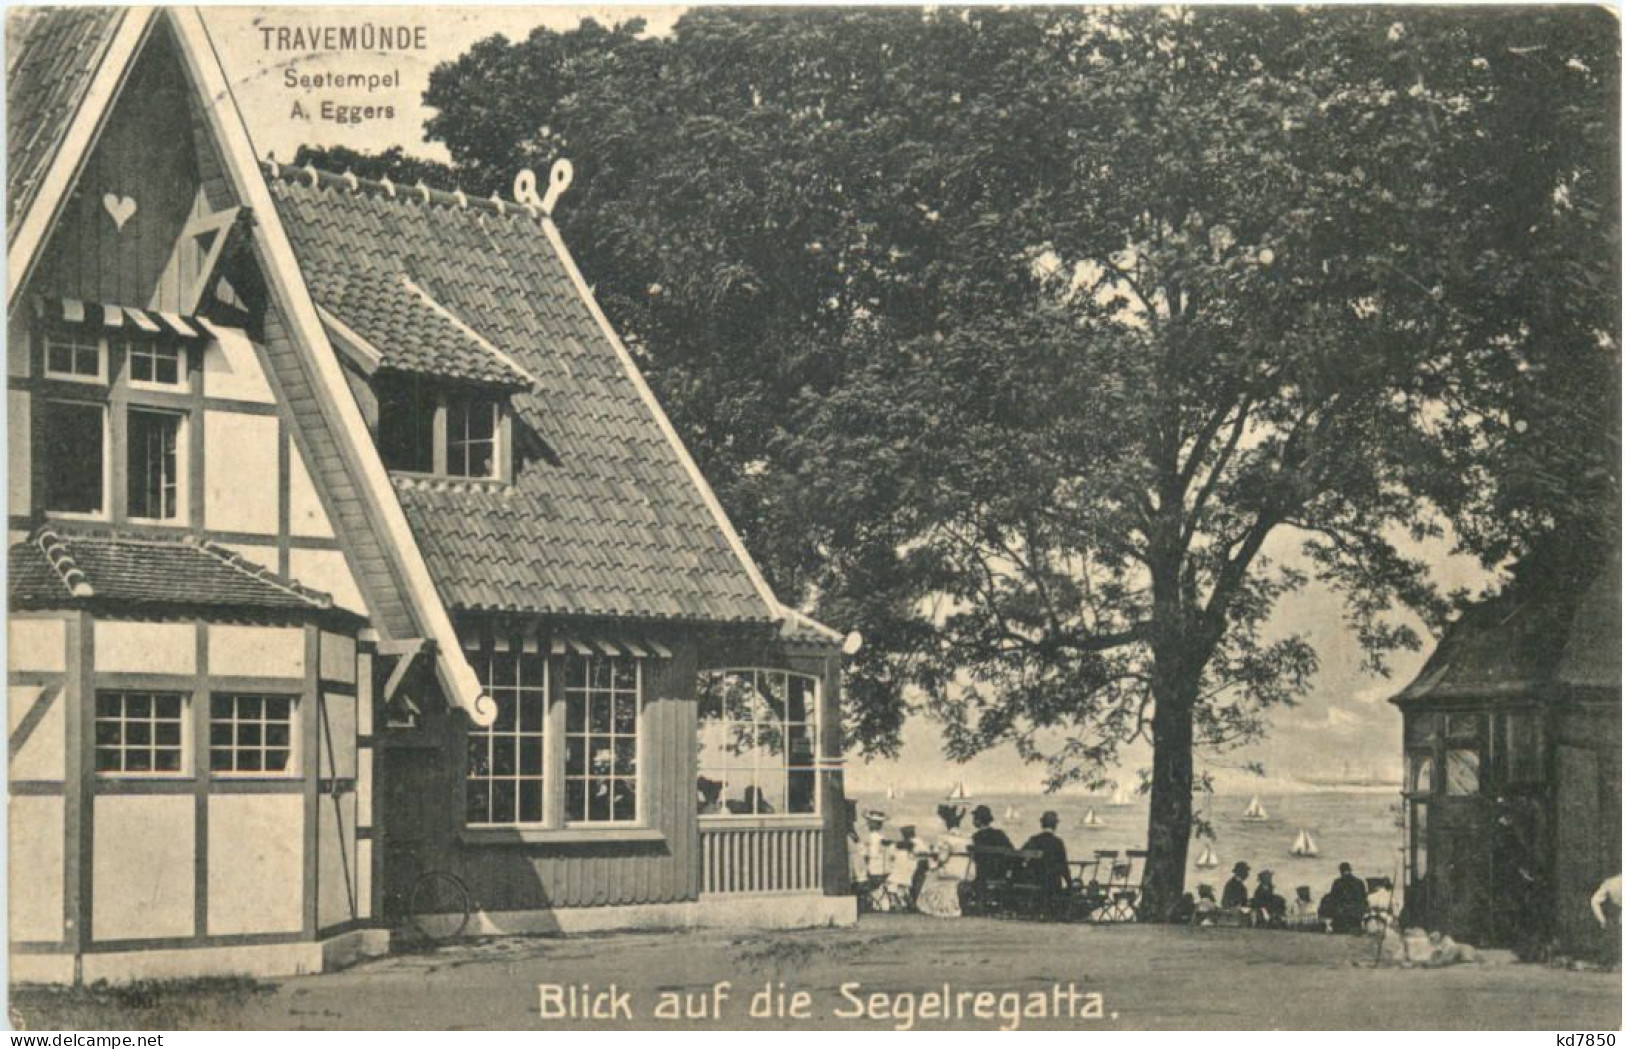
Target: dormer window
x=438, y=428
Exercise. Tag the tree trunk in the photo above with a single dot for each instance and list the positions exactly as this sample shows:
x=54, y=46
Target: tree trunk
x=1168, y=840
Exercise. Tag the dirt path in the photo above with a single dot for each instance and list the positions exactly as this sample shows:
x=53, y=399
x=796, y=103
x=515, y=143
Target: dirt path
x=1144, y=977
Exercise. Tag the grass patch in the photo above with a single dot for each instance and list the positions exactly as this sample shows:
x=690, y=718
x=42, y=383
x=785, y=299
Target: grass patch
x=207, y=1003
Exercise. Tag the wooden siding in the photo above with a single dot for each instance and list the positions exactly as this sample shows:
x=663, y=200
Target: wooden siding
x=761, y=859
x=146, y=154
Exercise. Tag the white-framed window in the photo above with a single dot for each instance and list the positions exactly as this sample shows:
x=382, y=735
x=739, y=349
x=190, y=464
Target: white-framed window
x=74, y=450
x=155, y=464
x=507, y=761
x=252, y=734
x=75, y=356
x=471, y=436
x=156, y=364
x=602, y=716
x=140, y=733
x=758, y=743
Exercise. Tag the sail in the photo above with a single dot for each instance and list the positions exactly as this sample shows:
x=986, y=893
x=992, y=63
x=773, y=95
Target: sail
x=1092, y=820
x=1255, y=810
x=959, y=793
x=1119, y=798
x=1208, y=859
x=1010, y=812
x=1304, y=845
x=891, y=793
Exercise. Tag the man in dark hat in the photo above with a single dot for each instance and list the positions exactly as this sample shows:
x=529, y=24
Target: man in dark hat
x=1235, y=890
x=1344, y=905
x=1054, y=875
x=986, y=845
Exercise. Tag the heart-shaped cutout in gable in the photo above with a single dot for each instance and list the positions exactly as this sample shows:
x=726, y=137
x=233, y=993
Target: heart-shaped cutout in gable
x=121, y=208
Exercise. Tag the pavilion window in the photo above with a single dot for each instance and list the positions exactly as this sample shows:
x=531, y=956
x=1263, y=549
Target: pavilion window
x=602, y=712
x=140, y=733
x=251, y=734
x=74, y=457
x=75, y=356
x=424, y=428
x=507, y=760
x=471, y=436
x=758, y=732
x=153, y=363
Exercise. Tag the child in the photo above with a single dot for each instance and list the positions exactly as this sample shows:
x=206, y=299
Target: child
x=1207, y=908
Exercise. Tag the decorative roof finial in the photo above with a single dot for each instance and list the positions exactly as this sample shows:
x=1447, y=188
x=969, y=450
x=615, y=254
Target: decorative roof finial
x=524, y=190
x=558, y=180
x=389, y=187
x=351, y=181
x=315, y=178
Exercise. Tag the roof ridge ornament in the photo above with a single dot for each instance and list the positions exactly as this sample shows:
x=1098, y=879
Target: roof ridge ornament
x=389, y=187
x=423, y=188
x=462, y=198
x=276, y=169
x=315, y=176
x=558, y=180
x=351, y=181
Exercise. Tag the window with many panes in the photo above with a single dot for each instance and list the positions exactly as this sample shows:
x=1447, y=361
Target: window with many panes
x=73, y=454
x=140, y=733
x=506, y=772
x=251, y=734
x=471, y=436
x=155, y=363
x=153, y=469
x=758, y=751
x=601, y=716
x=77, y=356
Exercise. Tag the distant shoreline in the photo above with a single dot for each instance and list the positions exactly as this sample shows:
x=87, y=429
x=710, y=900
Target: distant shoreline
x=1264, y=788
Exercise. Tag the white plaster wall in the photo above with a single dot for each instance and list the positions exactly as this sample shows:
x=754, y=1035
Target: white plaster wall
x=256, y=651
x=42, y=755
x=338, y=761
x=143, y=868
x=305, y=513
x=336, y=860
x=256, y=863
x=363, y=787
x=34, y=883
x=240, y=472
x=338, y=658
x=145, y=648
x=231, y=369
x=328, y=571
x=363, y=877
x=19, y=492
x=37, y=644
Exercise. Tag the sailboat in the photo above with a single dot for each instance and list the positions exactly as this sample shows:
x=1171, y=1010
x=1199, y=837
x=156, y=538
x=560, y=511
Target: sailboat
x=891, y=793
x=1120, y=799
x=1092, y=821
x=1011, y=812
x=1208, y=860
x=1304, y=845
x=1255, y=811
x=959, y=793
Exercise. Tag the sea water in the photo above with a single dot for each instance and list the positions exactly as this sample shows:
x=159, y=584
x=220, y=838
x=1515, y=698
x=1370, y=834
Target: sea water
x=1359, y=827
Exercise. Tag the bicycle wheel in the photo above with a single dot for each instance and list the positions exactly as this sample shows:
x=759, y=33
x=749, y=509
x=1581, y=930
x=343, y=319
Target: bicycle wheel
x=439, y=906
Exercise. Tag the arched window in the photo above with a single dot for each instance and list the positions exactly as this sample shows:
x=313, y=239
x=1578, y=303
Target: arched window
x=758, y=743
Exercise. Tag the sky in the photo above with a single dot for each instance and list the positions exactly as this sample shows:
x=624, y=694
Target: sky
x=1345, y=722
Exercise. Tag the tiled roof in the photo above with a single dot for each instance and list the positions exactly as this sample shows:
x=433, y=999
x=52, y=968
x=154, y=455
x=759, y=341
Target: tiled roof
x=53, y=568
x=51, y=57
x=393, y=316
x=602, y=518
x=1591, y=657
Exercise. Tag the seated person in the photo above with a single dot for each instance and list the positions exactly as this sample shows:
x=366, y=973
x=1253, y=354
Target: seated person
x=1268, y=907
x=710, y=796
x=1183, y=912
x=1301, y=912
x=1053, y=874
x=1344, y=906
x=990, y=866
x=1235, y=890
x=1206, y=906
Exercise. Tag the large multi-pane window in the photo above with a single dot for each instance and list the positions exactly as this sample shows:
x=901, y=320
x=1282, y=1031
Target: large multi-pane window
x=506, y=771
x=251, y=733
x=471, y=437
x=152, y=477
x=140, y=733
x=73, y=446
x=601, y=714
x=758, y=752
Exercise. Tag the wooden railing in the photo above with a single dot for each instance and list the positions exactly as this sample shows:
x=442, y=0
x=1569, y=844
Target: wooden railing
x=761, y=859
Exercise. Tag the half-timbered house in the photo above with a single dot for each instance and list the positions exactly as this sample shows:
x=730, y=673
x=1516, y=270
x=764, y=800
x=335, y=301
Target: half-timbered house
x=349, y=548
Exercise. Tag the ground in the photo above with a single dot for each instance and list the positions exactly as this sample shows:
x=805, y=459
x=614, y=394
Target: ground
x=1145, y=976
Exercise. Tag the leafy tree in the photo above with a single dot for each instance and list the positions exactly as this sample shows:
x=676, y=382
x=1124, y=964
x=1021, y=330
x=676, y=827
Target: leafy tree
x=1019, y=339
